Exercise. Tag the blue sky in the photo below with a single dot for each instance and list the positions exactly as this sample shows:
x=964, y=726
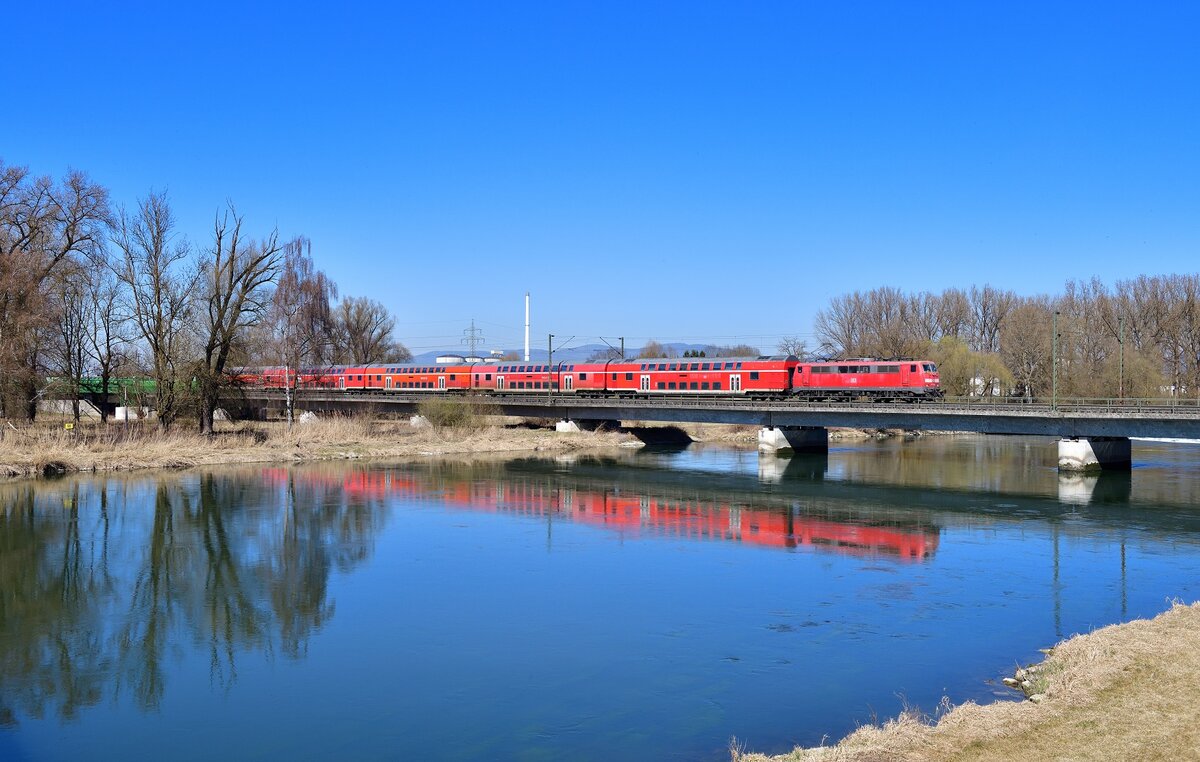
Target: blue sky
x=692, y=171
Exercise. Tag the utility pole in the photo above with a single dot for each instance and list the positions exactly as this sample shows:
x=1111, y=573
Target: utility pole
x=472, y=337
x=1121, y=367
x=1054, y=362
x=622, y=348
x=526, y=326
x=550, y=360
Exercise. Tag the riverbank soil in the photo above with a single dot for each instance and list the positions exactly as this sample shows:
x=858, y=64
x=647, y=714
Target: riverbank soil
x=46, y=450
x=1128, y=691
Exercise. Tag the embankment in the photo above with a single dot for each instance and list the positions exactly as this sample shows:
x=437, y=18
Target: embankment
x=1128, y=691
x=37, y=451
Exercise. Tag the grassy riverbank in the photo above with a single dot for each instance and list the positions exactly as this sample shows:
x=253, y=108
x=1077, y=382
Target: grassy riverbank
x=42, y=450
x=1128, y=691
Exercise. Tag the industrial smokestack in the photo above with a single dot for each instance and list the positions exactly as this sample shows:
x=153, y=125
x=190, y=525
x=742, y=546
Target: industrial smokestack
x=526, y=326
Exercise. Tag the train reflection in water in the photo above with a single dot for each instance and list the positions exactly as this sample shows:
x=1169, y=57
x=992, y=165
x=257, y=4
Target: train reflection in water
x=633, y=514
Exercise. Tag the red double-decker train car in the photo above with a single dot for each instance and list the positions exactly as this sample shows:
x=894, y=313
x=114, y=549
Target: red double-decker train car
x=780, y=376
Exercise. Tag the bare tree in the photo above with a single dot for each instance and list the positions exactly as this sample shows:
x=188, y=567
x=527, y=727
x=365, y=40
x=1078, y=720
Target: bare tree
x=1025, y=346
x=43, y=225
x=794, y=345
x=736, y=350
x=363, y=333
x=989, y=307
x=235, y=280
x=841, y=325
x=300, y=318
x=106, y=332
x=160, y=283
x=70, y=337
x=654, y=349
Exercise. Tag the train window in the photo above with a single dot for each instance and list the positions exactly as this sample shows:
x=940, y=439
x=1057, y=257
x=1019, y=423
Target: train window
x=704, y=385
x=487, y=376
x=583, y=377
x=662, y=385
x=671, y=385
x=717, y=385
x=930, y=367
x=614, y=377
x=694, y=385
x=451, y=376
x=695, y=366
x=706, y=366
x=753, y=375
x=674, y=366
x=628, y=376
x=738, y=366
x=912, y=368
x=843, y=369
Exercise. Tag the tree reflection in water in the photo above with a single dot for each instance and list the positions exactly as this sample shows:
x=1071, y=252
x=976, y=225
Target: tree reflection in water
x=97, y=601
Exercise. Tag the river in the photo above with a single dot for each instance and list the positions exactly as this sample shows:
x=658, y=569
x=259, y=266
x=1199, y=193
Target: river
x=640, y=605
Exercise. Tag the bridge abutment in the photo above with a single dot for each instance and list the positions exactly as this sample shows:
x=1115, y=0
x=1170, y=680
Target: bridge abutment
x=794, y=438
x=1090, y=454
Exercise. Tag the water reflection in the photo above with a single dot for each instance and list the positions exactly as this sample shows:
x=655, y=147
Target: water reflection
x=104, y=581
x=643, y=605
x=528, y=488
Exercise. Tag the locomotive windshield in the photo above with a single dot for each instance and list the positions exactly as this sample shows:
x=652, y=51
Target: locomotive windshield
x=930, y=368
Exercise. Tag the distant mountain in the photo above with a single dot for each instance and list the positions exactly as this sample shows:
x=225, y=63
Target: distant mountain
x=569, y=354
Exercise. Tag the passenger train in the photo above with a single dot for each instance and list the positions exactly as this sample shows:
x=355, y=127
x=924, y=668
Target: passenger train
x=766, y=377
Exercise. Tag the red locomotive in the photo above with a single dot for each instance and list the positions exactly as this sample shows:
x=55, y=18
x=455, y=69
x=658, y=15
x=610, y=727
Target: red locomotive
x=780, y=376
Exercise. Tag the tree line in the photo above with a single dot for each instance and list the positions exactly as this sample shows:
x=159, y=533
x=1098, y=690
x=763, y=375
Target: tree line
x=93, y=289
x=1136, y=338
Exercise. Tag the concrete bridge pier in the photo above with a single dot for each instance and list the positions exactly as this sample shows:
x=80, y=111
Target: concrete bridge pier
x=1090, y=454
x=571, y=426
x=794, y=438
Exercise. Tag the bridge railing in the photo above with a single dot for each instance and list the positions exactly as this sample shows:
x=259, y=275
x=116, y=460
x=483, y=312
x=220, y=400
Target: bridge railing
x=1077, y=403
x=1038, y=406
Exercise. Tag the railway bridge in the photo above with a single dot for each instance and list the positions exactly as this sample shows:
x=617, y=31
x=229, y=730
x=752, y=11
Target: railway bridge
x=1093, y=434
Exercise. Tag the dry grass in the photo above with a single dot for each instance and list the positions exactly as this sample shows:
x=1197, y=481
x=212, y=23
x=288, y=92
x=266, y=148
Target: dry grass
x=1128, y=691
x=45, y=450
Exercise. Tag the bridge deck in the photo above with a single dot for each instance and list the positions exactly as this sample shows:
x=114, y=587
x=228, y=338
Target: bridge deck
x=1074, y=418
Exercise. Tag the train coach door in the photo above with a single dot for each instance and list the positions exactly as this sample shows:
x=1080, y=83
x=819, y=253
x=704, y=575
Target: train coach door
x=735, y=382
x=568, y=383
x=341, y=382
x=441, y=382
x=389, y=382
x=645, y=386
x=499, y=382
